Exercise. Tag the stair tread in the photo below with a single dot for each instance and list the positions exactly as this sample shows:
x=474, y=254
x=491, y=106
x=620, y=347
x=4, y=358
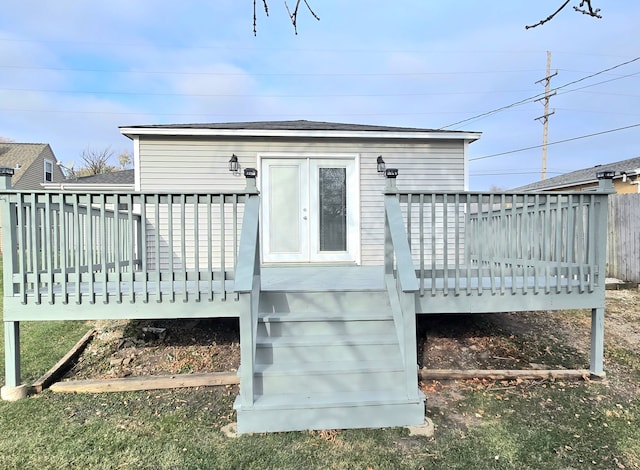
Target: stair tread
x=323, y=316
x=329, y=367
x=329, y=339
x=333, y=399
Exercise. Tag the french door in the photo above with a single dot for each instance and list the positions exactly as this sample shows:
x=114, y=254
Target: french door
x=309, y=210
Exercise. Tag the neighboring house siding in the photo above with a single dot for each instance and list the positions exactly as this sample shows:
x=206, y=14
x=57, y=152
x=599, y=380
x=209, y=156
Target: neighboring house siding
x=201, y=164
x=33, y=176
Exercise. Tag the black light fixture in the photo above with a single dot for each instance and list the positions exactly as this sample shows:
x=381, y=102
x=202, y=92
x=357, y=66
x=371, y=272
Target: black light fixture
x=234, y=166
x=605, y=174
x=250, y=173
x=6, y=171
x=380, y=164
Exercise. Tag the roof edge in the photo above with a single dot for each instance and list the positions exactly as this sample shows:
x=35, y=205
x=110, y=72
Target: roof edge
x=132, y=131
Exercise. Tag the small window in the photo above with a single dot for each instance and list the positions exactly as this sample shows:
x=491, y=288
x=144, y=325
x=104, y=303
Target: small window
x=48, y=170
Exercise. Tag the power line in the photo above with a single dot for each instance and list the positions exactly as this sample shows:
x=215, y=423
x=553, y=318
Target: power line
x=556, y=142
x=279, y=74
x=540, y=95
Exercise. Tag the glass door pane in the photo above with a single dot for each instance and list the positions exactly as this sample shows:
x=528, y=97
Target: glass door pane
x=332, y=198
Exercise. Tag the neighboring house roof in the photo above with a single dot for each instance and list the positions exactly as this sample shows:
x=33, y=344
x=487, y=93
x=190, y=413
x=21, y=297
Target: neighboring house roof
x=296, y=128
x=115, y=177
x=21, y=156
x=629, y=167
x=123, y=180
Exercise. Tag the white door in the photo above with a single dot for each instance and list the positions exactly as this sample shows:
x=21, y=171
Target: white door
x=309, y=210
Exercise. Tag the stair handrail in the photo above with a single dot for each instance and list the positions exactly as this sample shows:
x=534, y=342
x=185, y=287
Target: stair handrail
x=401, y=281
x=247, y=286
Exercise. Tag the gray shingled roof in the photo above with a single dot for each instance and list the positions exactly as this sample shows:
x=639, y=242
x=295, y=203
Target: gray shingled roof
x=586, y=175
x=18, y=155
x=299, y=125
x=115, y=177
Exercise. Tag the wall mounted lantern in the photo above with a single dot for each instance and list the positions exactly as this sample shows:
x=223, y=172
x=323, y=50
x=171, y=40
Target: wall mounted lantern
x=381, y=165
x=234, y=166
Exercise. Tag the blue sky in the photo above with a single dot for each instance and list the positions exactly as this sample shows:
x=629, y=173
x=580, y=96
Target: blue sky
x=71, y=72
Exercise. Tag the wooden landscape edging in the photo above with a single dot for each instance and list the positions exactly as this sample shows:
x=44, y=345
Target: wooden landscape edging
x=61, y=366
x=149, y=382
x=158, y=382
x=502, y=374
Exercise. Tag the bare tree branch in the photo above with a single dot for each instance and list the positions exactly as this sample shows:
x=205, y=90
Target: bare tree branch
x=96, y=162
x=255, y=16
x=550, y=17
x=294, y=15
x=589, y=11
x=581, y=8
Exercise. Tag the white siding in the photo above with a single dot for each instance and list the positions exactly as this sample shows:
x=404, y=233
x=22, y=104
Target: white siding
x=201, y=164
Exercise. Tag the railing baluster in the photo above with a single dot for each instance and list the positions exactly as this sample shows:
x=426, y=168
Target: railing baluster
x=172, y=271
x=105, y=251
x=592, y=242
x=516, y=234
x=558, y=246
x=144, y=247
x=469, y=239
x=196, y=243
x=445, y=243
x=457, y=250
x=422, y=242
x=210, y=276
x=504, y=237
x=118, y=239
x=223, y=243
x=134, y=248
x=49, y=250
x=571, y=243
x=535, y=253
x=183, y=245
x=157, y=254
x=35, y=244
x=65, y=245
x=580, y=238
x=433, y=245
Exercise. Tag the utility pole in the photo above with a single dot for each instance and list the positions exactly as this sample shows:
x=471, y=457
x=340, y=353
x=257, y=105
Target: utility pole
x=545, y=117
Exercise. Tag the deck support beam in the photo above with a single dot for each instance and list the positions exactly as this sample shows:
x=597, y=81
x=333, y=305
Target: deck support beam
x=13, y=389
x=597, y=342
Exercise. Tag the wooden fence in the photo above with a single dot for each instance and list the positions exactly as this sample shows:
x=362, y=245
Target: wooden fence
x=623, y=253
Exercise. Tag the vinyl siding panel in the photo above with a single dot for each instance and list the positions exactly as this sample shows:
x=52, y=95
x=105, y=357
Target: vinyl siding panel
x=33, y=175
x=201, y=164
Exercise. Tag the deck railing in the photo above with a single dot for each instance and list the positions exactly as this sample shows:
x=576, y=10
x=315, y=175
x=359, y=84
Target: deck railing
x=401, y=284
x=67, y=247
x=247, y=286
x=468, y=242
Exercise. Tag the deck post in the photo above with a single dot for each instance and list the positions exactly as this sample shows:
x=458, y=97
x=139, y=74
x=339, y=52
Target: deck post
x=597, y=342
x=390, y=187
x=13, y=389
x=605, y=187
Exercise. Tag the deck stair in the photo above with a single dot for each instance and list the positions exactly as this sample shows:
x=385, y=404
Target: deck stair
x=328, y=360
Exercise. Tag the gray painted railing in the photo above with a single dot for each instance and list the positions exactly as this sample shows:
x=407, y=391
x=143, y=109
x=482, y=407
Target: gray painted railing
x=77, y=248
x=247, y=285
x=401, y=284
x=467, y=242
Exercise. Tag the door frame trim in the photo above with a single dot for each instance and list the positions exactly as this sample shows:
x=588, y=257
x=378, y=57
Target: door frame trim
x=357, y=238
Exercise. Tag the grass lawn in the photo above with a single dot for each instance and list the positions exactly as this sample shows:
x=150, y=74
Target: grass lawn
x=479, y=425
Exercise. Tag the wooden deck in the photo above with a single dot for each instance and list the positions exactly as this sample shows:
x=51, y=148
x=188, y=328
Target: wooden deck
x=75, y=256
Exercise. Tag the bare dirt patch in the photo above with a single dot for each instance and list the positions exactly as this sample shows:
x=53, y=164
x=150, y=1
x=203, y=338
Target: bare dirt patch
x=155, y=347
x=527, y=340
